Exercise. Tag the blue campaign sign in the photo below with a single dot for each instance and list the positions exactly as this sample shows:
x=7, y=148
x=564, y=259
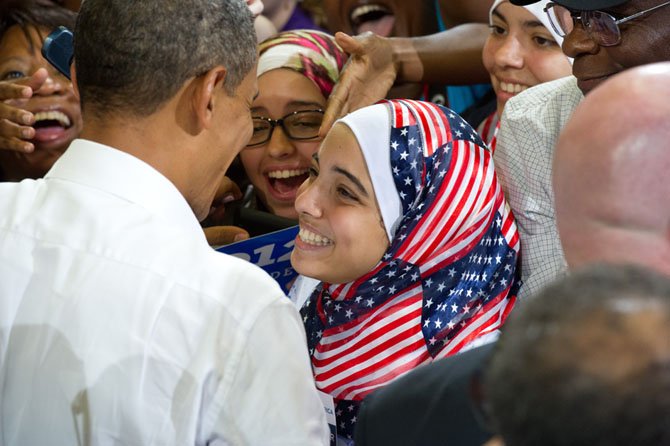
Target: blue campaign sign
x=272, y=252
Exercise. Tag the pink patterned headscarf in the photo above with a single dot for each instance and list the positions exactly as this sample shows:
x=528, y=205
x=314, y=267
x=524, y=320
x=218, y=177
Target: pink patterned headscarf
x=313, y=54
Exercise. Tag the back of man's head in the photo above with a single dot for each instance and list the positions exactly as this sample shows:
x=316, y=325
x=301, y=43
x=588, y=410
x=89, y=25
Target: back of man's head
x=611, y=173
x=132, y=56
x=586, y=363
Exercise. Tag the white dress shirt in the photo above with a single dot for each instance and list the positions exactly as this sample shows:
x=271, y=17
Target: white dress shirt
x=120, y=326
x=529, y=129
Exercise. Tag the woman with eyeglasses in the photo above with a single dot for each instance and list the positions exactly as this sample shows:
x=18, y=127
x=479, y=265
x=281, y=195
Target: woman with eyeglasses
x=522, y=50
x=296, y=73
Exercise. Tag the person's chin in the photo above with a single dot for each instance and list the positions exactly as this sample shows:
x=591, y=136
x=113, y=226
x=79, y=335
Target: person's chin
x=307, y=267
x=586, y=85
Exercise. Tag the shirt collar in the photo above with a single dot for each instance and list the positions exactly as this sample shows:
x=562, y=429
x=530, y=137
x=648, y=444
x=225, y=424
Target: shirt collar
x=118, y=173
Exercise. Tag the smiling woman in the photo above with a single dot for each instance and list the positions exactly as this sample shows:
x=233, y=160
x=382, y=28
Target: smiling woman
x=523, y=50
x=296, y=73
x=405, y=226
x=53, y=107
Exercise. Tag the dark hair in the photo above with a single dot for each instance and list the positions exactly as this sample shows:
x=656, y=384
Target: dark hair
x=37, y=13
x=132, y=56
x=586, y=363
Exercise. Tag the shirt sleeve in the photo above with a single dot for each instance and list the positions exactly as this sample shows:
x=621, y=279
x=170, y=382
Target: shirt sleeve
x=273, y=396
x=528, y=131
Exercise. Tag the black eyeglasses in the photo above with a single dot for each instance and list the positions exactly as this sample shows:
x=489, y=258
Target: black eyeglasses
x=601, y=27
x=300, y=125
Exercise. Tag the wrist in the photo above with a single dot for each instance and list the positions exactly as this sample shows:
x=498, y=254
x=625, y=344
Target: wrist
x=408, y=65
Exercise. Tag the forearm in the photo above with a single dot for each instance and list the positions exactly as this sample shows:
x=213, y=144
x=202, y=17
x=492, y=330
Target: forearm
x=450, y=57
x=457, y=12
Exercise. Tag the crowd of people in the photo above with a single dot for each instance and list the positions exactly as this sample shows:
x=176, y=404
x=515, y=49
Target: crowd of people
x=482, y=245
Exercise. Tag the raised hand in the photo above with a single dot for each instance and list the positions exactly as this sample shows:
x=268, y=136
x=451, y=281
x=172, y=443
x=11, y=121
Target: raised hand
x=15, y=122
x=366, y=78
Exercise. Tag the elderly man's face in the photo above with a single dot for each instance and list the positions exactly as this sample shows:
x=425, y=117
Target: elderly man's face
x=643, y=40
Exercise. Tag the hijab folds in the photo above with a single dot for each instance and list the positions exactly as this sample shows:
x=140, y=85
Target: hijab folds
x=449, y=274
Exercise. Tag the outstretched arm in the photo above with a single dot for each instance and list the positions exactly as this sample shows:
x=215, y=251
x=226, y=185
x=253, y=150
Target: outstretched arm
x=457, y=12
x=450, y=57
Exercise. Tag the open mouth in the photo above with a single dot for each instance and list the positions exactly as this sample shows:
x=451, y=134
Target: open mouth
x=284, y=184
x=373, y=17
x=51, y=125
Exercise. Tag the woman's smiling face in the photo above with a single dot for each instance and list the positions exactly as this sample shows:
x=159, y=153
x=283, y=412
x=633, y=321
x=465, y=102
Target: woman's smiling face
x=278, y=167
x=521, y=52
x=342, y=236
x=55, y=106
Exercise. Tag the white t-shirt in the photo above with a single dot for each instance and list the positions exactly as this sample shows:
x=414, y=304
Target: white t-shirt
x=119, y=325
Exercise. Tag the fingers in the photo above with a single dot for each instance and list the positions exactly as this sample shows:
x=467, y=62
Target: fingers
x=255, y=6
x=35, y=81
x=228, y=191
x=349, y=44
x=337, y=105
x=365, y=79
x=11, y=90
x=15, y=122
x=13, y=137
x=225, y=235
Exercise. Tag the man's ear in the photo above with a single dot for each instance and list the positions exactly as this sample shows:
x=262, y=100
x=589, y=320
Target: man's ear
x=207, y=92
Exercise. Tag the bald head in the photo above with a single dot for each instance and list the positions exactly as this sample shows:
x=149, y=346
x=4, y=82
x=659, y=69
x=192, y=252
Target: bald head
x=612, y=173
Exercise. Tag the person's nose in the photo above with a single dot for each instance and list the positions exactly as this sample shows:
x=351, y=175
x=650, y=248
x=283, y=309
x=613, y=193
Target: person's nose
x=280, y=146
x=510, y=54
x=54, y=84
x=307, y=201
x=579, y=42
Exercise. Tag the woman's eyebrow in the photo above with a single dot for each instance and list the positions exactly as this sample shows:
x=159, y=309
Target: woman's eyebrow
x=352, y=178
x=500, y=16
x=533, y=24
x=304, y=104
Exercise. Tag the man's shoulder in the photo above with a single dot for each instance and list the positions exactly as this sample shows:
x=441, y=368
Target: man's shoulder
x=412, y=409
x=18, y=198
x=238, y=283
x=563, y=91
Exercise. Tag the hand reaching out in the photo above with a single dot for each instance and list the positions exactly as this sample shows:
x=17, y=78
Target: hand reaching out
x=366, y=78
x=216, y=234
x=15, y=122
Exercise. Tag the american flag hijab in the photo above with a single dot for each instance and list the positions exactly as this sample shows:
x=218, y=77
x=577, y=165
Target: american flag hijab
x=449, y=274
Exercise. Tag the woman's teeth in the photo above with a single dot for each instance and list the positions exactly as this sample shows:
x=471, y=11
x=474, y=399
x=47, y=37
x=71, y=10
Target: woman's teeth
x=512, y=88
x=287, y=173
x=313, y=239
x=60, y=117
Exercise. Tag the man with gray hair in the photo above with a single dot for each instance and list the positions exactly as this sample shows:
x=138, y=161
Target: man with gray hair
x=118, y=323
